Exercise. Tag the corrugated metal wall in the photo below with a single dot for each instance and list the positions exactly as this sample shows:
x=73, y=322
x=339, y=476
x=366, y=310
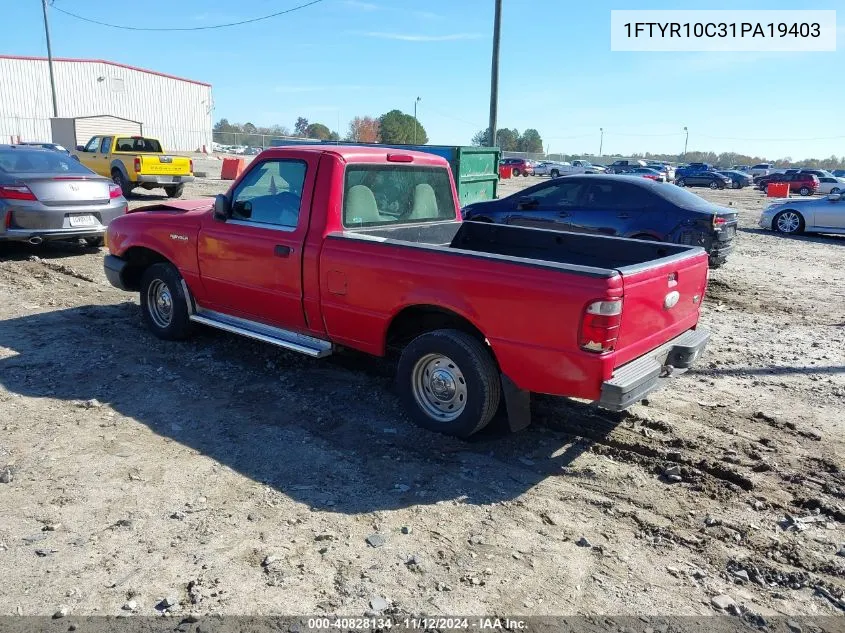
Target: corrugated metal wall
x=175, y=111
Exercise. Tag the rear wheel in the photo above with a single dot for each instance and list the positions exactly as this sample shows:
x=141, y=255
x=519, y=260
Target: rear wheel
x=121, y=181
x=789, y=222
x=714, y=185
x=736, y=185
x=175, y=191
x=515, y=172
x=555, y=173
x=804, y=191
x=449, y=382
x=681, y=182
x=94, y=242
x=834, y=190
x=163, y=302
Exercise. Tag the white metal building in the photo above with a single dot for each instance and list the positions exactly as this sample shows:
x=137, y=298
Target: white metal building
x=176, y=111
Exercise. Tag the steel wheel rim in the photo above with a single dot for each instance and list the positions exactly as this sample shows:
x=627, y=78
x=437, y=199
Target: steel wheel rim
x=439, y=387
x=160, y=303
x=789, y=222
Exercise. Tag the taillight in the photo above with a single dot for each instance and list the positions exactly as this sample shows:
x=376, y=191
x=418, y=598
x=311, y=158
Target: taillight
x=137, y=163
x=191, y=165
x=600, y=326
x=114, y=191
x=16, y=192
x=719, y=221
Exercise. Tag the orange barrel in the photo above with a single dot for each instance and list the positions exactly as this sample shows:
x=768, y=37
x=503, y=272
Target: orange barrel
x=505, y=171
x=777, y=190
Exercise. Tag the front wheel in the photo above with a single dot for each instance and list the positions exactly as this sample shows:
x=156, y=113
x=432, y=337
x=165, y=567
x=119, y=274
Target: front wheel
x=834, y=190
x=736, y=185
x=555, y=173
x=680, y=182
x=516, y=172
x=714, y=185
x=175, y=191
x=449, y=382
x=163, y=302
x=804, y=191
x=788, y=222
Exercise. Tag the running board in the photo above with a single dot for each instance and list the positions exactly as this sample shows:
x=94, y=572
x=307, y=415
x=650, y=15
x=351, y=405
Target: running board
x=308, y=345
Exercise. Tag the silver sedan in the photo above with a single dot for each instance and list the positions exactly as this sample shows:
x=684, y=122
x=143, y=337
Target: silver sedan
x=803, y=215
x=45, y=195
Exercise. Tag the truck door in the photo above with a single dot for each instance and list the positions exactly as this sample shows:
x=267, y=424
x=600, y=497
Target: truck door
x=91, y=154
x=251, y=265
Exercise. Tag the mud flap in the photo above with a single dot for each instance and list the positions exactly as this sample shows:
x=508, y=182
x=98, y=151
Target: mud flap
x=517, y=405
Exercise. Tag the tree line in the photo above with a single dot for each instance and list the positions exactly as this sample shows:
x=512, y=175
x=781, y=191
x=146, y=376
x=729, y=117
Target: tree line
x=511, y=140
x=394, y=127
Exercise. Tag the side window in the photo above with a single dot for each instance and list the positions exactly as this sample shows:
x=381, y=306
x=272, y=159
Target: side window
x=93, y=145
x=558, y=193
x=270, y=193
x=617, y=197
x=105, y=146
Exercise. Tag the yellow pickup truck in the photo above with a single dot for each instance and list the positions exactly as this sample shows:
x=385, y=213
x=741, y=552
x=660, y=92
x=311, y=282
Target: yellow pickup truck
x=136, y=161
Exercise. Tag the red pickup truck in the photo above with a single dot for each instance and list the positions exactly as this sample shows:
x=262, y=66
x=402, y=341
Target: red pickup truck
x=314, y=249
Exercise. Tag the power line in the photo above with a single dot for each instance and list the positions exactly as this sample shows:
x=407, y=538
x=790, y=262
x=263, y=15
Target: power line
x=782, y=140
x=193, y=28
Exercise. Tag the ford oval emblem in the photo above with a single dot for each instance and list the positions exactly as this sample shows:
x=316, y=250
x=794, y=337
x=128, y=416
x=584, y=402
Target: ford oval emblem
x=671, y=299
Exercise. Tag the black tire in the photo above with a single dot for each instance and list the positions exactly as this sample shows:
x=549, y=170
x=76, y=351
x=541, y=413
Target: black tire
x=681, y=182
x=736, y=185
x=785, y=227
x=554, y=173
x=175, y=191
x=525, y=174
x=120, y=180
x=94, y=242
x=716, y=263
x=179, y=325
x=477, y=373
x=835, y=190
x=515, y=173
x=804, y=191
x=715, y=185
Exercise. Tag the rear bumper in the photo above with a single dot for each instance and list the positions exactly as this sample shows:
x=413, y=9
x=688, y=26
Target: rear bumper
x=633, y=381
x=114, y=267
x=44, y=235
x=163, y=180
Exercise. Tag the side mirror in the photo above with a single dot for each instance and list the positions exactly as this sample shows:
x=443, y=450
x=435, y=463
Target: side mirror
x=80, y=148
x=527, y=203
x=833, y=197
x=222, y=208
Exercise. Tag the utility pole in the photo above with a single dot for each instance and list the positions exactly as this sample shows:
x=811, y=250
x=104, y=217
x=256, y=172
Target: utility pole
x=494, y=73
x=416, y=123
x=601, y=140
x=50, y=59
x=686, y=131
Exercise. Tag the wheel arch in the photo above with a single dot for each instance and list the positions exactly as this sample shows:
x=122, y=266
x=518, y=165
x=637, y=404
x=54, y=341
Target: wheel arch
x=138, y=259
x=416, y=319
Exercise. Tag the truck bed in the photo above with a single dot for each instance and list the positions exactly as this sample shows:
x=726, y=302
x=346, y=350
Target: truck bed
x=596, y=255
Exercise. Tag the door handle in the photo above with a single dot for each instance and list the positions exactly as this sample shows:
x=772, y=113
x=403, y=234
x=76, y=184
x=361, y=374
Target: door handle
x=282, y=251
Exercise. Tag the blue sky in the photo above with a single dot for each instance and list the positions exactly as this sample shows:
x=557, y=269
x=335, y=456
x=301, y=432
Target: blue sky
x=343, y=58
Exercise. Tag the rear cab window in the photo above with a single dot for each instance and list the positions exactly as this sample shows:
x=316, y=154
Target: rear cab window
x=392, y=194
x=138, y=144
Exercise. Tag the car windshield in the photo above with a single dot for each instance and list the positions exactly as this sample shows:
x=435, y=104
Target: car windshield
x=395, y=194
x=40, y=161
x=138, y=144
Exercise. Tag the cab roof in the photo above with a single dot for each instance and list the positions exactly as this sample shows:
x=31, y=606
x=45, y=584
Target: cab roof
x=361, y=154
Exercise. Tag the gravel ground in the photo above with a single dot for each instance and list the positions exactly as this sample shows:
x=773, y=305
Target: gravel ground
x=224, y=476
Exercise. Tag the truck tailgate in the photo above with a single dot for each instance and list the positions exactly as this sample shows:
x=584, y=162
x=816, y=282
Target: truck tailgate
x=660, y=302
x=164, y=165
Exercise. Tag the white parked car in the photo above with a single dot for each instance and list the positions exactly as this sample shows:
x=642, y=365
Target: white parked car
x=562, y=168
x=830, y=184
x=762, y=169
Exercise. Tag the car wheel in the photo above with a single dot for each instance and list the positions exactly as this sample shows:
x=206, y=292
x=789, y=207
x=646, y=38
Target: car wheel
x=449, y=382
x=175, y=192
x=736, y=185
x=789, y=222
x=715, y=262
x=120, y=180
x=555, y=173
x=516, y=172
x=714, y=184
x=834, y=190
x=525, y=174
x=163, y=302
x=804, y=191
x=94, y=242
x=681, y=182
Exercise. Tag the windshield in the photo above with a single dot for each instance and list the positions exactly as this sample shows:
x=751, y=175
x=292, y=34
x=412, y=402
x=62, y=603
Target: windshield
x=138, y=145
x=40, y=161
x=376, y=195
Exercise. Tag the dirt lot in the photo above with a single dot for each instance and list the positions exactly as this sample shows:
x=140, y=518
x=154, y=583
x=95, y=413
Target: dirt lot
x=226, y=476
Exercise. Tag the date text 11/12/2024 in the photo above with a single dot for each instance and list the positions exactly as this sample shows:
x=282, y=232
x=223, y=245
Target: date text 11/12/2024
x=415, y=624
